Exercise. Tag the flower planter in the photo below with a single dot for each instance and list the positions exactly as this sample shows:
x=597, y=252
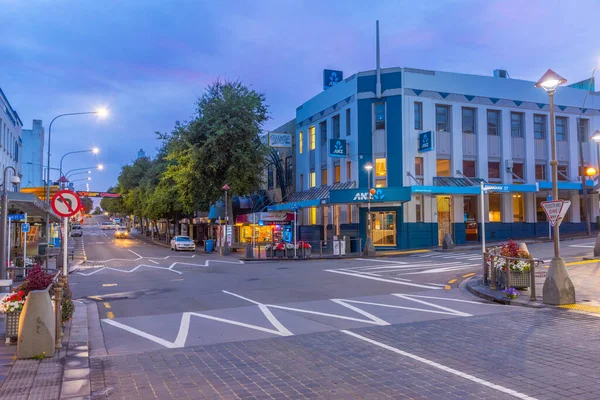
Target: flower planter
x=290, y=253
x=270, y=253
x=520, y=280
x=12, y=324
x=280, y=253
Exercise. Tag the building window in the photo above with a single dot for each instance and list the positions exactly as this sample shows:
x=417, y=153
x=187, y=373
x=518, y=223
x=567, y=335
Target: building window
x=518, y=207
x=301, y=182
x=442, y=167
x=418, y=208
x=494, y=170
x=540, y=172
x=561, y=128
x=517, y=170
x=289, y=172
x=337, y=175
x=312, y=216
x=539, y=210
x=313, y=180
x=324, y=177
x=323, y=133
x=312, y=140
x=516, y=124
x=539, y=126
x=583, y=130
x=418, y=115
x=469, y=168
x=383, y=228
x=336, y=126
x=419, y=168
x=493, y=122
x=301, y=142
x=348, y=171
x=442, y=118
x=348, y=123
x=379, y=115
x=495, y=214
x=270, y=183
x=563, y=172
x=468, y=120
x=380, y=167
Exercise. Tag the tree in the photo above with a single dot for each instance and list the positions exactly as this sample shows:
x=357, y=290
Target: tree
x=87, y=204
x=221, y=146
x=97, y=211
x=113, y=205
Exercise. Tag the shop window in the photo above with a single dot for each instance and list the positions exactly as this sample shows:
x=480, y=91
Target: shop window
x=348, y=171
x=493, y=122
x=442, y=118
x=336, y=126
x=539, y=126
x=301, y=142
x=563, y=173
x=419, y=167
x=312, y=216
x=348, y=123
x=418, y=115
x=584, y=125
x=540, y=172
x=323, y=177
x=518, y=170
x=468, y=120
x=419, y=217
x=442, y=167
x=383, y=228
x=516, y=124
x=336, y=173
x=380, y=182
x=561, y=128
x=539, y=211
x=518, y=207
x=495, y=213
x=312, y=138
x=379, y=115
x=380, y=167
x=469, y=168
x=494, y=171
x=323, y=133
x=313, y=180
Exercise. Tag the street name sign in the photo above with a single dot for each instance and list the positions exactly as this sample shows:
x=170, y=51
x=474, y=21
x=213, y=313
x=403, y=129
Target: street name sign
x=66, y=203
x=555, y=210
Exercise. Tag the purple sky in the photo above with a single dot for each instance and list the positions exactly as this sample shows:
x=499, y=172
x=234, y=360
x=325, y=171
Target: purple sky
x=148, y=61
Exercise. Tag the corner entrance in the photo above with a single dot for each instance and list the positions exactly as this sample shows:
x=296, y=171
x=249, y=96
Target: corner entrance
x=444, y=217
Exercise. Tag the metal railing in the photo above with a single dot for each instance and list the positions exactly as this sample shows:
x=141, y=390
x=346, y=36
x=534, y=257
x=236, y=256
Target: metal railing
x=491, y=272
x=310, y=249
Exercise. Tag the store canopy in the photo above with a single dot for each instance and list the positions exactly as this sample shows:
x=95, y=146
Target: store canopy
x=566, y=185
x=443, y=185
x=312, y=197
x=21, y=203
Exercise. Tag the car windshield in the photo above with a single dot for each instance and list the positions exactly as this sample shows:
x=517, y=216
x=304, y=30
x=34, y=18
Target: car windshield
x=183, y=239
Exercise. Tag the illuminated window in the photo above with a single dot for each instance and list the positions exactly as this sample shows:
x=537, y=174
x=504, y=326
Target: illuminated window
x=337, y=177
x=311, y=138
x=323, y=177
x=301, y=142
x=495, y=213
x=442, y=167
x=313, y=180
x=518, y=207
x=312, y=216
x=380, y=167
x=379, y=183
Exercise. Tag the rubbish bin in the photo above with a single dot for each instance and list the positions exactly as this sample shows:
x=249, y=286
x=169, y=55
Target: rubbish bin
x=42, y=249
x=209, y=246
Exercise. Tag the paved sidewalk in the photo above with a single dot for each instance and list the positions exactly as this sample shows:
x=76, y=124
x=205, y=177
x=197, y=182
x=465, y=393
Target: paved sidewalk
x=64, y=376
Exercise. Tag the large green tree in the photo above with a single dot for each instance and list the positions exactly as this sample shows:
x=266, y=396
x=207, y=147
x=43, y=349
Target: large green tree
x=87, y=204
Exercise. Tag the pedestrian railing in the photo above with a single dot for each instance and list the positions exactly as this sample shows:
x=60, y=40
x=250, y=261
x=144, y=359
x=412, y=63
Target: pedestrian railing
x=338, y=248
x=509, y=272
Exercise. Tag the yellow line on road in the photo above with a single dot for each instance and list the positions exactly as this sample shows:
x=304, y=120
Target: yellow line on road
x=447, y=287
x=106, y=304
x=451, y=281
x=468, y=275
x=97, y=298
x=583, y=262
x=110, y=315
x=582, y=307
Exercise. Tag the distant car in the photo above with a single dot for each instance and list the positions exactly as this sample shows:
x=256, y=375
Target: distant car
x=76, y=230
x=106, y=225
x=182, y=243
x=121, y=233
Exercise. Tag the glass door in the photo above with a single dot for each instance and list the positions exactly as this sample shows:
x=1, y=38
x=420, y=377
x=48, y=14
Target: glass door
x=383, y=228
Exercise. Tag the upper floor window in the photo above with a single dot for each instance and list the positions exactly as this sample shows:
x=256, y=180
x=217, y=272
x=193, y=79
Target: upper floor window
x=323, y=132
x=379, y=115
x=336, y=126
x=493, y=122
x=301, y=142
x=419, y=168
x=583, y=130
x=380, y=167
x=469, y=168
x=313, y=179
x=324, y=177
x=468, y=120
x=289, y=172
x=516, y=124
x=561, y=128
x=539, y=126
x=442, y=118
x=418, y=115
x=312, y=140
x=336, y=174
x=348, y=123
x=494, y=171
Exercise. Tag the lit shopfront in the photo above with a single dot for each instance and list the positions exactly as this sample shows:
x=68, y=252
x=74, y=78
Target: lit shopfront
x=264, y=227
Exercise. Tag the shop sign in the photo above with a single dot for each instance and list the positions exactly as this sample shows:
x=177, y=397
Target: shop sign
x=487, y=187
x=263, y=223
x=425, y=141
x=400, y=193
x=337, y=148
x=280, y=139
x=331, y=78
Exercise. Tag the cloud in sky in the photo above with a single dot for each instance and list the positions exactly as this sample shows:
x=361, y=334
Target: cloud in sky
x=149, y=60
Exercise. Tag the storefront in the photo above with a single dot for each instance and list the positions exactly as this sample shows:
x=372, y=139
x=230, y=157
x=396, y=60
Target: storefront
x=264, y=227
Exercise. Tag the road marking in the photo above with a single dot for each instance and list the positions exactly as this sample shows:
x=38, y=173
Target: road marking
x=383, y=279
x=109, y=284
x=176, y=280
x=97, y=298
x=143, y=334
x=106, y=304
x=436, y=284
x=451, y=281
x=131, y=251
x=110, y=315
x=444, y=368
x=447, y=287
x=587, y=246
x=468, y=275
x=152, y=261
x=448, y=310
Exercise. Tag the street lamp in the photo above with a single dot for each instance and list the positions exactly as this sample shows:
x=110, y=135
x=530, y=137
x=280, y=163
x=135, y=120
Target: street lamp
x=3, y=247
x=225, y=246
x=558, y=287
x=596, y=137
x=369, y=247
x=99, y=167
x=93, y=150
x=101, y=112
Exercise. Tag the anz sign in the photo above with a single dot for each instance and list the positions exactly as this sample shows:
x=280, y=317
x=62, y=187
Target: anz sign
x=331, y=78
x=364, y=196
x=337, y=148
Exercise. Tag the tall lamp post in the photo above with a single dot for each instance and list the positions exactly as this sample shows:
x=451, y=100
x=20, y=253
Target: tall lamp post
x=3, y=248
x=101, y=113
x=558, y=287
x=369, y=247
x=94, y=150
x=225, y=245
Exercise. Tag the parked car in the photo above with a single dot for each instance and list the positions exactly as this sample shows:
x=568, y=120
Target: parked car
x=76, y=230
x=121, y=233
x=182, y=243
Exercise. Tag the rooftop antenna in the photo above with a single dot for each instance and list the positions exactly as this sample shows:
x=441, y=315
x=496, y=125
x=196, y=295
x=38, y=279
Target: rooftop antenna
x=378, y=87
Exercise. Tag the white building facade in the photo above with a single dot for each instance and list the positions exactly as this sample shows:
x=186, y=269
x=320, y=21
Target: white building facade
x=11, y=141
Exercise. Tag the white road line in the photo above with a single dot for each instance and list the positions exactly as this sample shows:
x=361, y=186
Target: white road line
x=582, y=245
x=381, y=261
x=436, y=284
x=442, y=367
x=143, y=334
x=384, y=280
x=448, y=310
x=131, y=251
x=152, y=261
x=407, y=266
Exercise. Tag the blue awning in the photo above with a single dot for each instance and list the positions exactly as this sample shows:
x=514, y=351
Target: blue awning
x=312, y=197
x=566, y=185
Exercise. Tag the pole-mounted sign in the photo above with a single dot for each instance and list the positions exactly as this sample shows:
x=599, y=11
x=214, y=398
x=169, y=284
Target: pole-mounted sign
x=66, y=203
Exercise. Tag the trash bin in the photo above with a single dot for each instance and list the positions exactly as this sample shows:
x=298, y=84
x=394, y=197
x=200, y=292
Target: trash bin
x=42, y=249
x=209, y=246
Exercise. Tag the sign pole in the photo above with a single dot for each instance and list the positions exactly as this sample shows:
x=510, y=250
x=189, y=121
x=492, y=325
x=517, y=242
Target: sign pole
x=482, y=213
x=8, y=244
x=65, y=240
x=25, y=245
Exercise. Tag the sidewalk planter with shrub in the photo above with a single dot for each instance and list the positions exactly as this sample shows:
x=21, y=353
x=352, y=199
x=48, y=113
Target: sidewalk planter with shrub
x=304, y=249
x=269, y=250
x=289, y=250
x=280, y=250
x=518, y=261
x=12, y=305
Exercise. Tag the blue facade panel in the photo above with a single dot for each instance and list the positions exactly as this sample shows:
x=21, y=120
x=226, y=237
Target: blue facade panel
x=394, y=141
x=367, y=83
x=365, y=144
x=391, y=81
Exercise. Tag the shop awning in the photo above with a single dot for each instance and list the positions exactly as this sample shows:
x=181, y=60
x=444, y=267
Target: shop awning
x=312, y=197
x=545, y=185
x=463, y=186
x=21, y=203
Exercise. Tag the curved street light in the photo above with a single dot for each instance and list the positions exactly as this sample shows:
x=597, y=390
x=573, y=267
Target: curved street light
x=93, y=150
x=99, y=167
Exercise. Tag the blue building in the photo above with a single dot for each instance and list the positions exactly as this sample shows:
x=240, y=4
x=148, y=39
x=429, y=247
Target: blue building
x=33, y=155
x=432, y=137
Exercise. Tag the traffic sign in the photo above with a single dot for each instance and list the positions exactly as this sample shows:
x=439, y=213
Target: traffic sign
x=16, y=217
x=25, y=228
x=66, y=203
x=555, y=210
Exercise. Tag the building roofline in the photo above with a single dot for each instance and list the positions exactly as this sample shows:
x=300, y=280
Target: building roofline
x=10, y=107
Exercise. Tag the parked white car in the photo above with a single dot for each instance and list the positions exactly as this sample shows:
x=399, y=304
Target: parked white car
x=182, y=243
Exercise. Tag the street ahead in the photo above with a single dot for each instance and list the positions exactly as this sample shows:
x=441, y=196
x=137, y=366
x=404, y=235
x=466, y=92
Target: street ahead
x=423, y=336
